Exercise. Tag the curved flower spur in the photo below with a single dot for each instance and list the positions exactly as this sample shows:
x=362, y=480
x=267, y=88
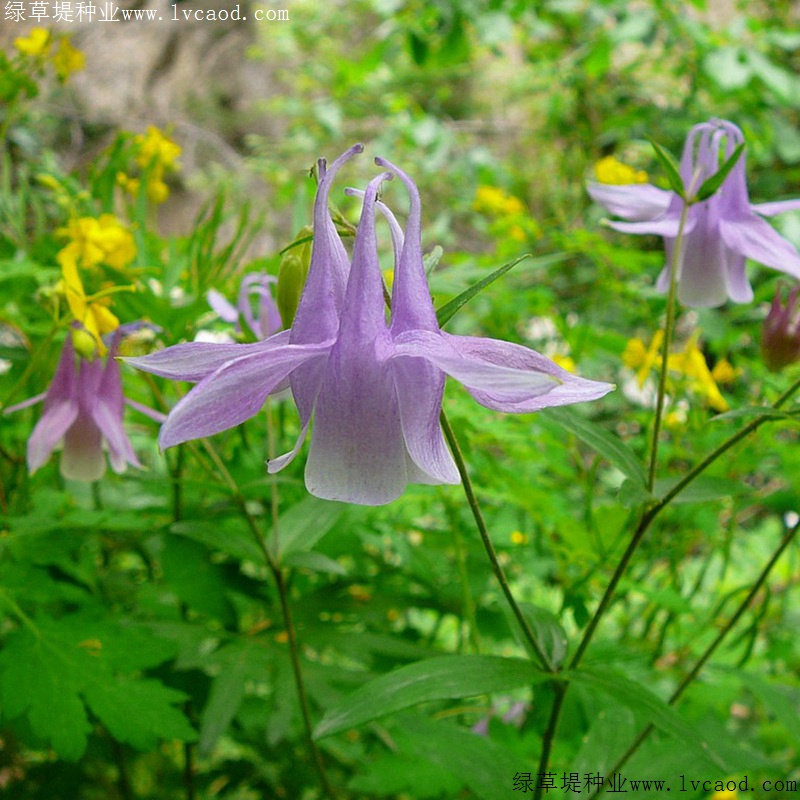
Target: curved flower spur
x=721, y=232
x=374, y=389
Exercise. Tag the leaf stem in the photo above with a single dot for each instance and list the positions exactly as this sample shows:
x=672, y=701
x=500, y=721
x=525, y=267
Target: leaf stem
x=499, y=574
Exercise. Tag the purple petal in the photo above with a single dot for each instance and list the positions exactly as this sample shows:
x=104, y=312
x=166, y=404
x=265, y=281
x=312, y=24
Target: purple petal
x=317, y=317
x=500, y=375
x=31, y=401
x=777, y=207
x=234, y=392
x=635, y=202
x=226, y=310
x=666, y=226
x=357, y=452
x=420, y=386
x=194, y=361
x=412, y=306
x=703, y=276
x=277, y=464
x=755, y=238
x=49, y=431
x=82, y=458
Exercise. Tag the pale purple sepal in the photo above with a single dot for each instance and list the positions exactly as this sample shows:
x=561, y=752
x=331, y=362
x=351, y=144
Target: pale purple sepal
x=634, y=201
x=256, y=286
x=720, y=232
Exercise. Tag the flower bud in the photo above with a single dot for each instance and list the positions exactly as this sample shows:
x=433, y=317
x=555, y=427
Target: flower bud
x=780, y=337
x=84, y=343
x=292, y=274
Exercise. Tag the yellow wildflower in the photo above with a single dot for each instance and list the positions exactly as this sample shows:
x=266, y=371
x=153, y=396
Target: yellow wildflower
x=104, y=240
x=725, y=794
x=92, y=313
x=157, y=154
x=495, y=201
x=609, y=170
x=35, y=44
x=154, y=146
x=565, y=362
x=691, y=363
x=641, y=358
x=388, y=278
x=67, y=59
x=725, y=372
x=518, y=537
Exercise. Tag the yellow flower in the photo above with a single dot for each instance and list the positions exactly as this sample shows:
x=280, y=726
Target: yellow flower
x=157, y=154
x=565, y=362
x=518, y=537
x=725, y=794
x=92, y=313
x=491, y=200
x=68, y=59
x=725, y=372
x=153, y=146
x=104, y=240
x=691, y=363
x=641, y=358
x=609, y=170
x=36, y=43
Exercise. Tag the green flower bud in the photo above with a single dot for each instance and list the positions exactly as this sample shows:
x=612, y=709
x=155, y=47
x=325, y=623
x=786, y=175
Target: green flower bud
x=292, y=274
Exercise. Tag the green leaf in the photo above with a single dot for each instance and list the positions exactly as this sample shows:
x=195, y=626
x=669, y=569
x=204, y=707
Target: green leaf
x=231, y=539
x=781, y=701
x=642, y=701
x=611, y=447
x=486, y=767
x=712, y=184
x=671, y=168
x=768, y=412
x=702, y=489
x=226, y=696
x=42, y=680
x=140, y=712
x=443, y=678
x=314, y=561
x=305, y=523
x=446, y=311
x=548, y=631
x=431, y=260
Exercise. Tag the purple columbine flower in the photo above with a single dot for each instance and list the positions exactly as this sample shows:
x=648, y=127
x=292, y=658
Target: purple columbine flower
x=780, y=336
x=255, y=286
x=720, y=233
x=374, y=389
x=83, y=409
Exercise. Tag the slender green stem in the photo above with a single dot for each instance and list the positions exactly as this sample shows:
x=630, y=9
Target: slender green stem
x=560, y=693
x=691, y=676
x=300, y=683
x=499, y=574
x=646, y=519
x=668, y=329
x=275, y=568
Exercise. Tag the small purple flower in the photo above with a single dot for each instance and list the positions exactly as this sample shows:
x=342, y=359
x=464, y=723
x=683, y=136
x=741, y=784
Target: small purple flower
x=374, y=389
x=255, y=286
x=780, y=337
x=720, y=233
x=83, y=408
